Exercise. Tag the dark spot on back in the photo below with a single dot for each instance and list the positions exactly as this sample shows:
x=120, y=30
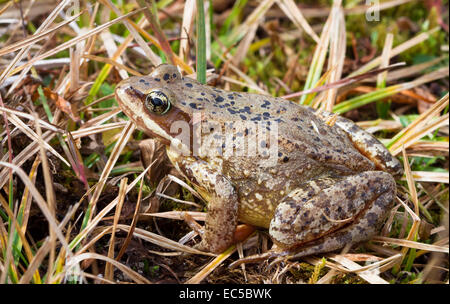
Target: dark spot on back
x=265, y=104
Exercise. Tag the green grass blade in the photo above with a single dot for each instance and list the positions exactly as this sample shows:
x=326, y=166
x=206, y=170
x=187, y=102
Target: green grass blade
x=201, y=43
x=364, y=99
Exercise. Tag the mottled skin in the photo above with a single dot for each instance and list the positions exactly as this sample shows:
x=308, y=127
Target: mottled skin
x=331, y=185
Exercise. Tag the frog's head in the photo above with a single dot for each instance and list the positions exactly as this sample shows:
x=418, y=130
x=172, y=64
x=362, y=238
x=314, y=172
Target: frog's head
x=153, y=102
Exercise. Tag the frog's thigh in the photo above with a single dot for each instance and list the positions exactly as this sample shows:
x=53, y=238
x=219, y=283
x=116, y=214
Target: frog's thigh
x=368, y=145
x=221, y=218
x=331, y=214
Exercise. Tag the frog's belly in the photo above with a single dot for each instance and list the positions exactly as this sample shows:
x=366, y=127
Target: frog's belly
x=257, y=212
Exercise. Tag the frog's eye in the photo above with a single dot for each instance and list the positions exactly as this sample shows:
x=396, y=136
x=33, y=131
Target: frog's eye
x=157, y=102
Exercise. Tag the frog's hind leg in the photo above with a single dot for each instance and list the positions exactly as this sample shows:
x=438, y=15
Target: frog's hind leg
x=367, y=144
x=328, y=214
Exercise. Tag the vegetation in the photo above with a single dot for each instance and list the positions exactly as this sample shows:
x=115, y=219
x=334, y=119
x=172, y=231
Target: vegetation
x=85, y=197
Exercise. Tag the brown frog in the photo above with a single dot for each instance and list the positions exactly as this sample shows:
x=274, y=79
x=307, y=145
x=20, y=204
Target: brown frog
x=326, y=184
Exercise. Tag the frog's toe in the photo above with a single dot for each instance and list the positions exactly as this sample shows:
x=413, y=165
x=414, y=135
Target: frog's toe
x=276, y=254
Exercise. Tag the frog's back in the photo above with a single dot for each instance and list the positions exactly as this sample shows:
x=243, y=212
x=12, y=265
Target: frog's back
x=298, y=127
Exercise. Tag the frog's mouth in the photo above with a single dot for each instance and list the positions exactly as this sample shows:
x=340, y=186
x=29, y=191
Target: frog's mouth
x=132, y=102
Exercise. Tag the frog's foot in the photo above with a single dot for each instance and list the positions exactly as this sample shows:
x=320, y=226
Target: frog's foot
x=274, y=253
x=324, y=216
x=367, y=144
x=242, y=232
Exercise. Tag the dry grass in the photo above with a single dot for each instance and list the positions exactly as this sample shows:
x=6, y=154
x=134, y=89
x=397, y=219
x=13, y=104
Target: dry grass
x=106, y=210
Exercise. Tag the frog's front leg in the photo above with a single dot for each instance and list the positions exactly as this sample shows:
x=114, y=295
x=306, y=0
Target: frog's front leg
x=221, y=218
x=327, y=214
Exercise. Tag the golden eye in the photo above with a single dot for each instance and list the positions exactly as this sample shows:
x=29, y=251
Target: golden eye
x=157, y=102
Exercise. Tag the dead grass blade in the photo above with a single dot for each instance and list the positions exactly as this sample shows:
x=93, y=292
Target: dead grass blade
x=408, y=71
x=318, y=59
x=50, y=195
x=24, y=51
x=385, y=55
x=411, y=244
x=133, y=223
x=336, y=54
x=36, y=37
x=396, y=51
x=369, y=276
x=178, y=215
x=202, y=274
x=23, y=156
x=100, y=119
x=250, y=82
x=419, y=127
x=162, y=241
x=343, y=82
x=113, y=63
x=109, y=269
x=244, y=45
x=101, y=214
x=411, y=185
x=253, y=18
x=183, y=184
x=373, y=126
x=291, y=10
x=72, y=42
x=178, y=200
x=150, y=13
x=4, y=8
x=115, y=153
x=41, y=203
x=25, y=203
x=156, y=60
x=186, y=27
x=369, y=272
x=431, y=177
x=33, y=136
x=97, y=129
x=43, y=123
x=76, y=260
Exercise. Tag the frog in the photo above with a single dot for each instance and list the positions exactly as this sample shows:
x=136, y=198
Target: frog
x=329, y=185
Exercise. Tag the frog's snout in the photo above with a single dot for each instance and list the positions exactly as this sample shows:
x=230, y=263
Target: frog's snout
x=127, y=92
